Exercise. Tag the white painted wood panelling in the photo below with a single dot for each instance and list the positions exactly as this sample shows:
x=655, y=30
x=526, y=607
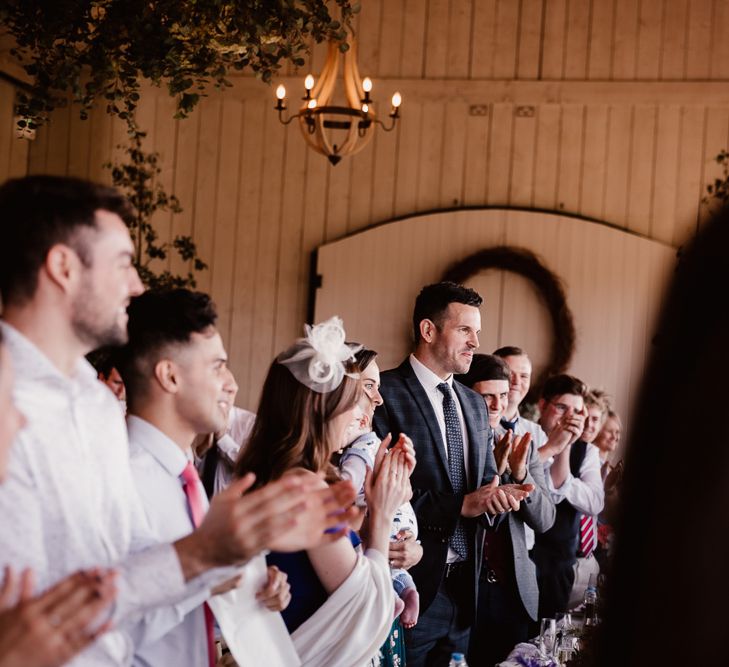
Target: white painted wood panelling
x=614, y=282
x=606, y=110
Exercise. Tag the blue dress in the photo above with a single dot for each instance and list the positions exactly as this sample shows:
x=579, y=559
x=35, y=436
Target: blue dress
x=307, y=593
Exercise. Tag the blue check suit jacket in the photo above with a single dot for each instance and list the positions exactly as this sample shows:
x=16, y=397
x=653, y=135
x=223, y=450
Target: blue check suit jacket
x=408, y=410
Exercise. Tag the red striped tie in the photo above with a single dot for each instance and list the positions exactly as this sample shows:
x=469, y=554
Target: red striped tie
x=191, y=485
x=587, y=535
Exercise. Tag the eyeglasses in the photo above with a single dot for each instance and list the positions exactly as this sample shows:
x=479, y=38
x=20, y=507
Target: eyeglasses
x=561, y=408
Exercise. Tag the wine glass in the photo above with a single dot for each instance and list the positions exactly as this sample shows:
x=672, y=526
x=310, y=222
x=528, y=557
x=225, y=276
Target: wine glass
x=547, y=637
x=566, y=647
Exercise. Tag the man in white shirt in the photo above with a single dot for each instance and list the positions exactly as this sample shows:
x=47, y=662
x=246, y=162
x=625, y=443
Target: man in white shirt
x=520, y=378
x=69, y=501
x=576, y=487
x=216, y=453
x=587, y=565
x=175, y=369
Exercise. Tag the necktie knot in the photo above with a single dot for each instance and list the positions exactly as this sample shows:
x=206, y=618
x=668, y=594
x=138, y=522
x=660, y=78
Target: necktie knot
x=509, y=426
x=445, y=389
x=191, y=486
x=189, y=474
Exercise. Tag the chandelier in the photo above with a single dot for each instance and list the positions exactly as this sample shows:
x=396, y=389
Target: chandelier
x=336, y=131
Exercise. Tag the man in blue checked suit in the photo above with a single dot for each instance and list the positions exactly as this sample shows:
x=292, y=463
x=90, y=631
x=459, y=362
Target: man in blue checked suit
x=456, y=492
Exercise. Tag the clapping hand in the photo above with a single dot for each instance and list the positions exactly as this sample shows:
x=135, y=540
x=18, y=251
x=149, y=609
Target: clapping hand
x=388, y=485
x=502, y=451
x=405, y=444
x=493, y=498
x=518, y=456
x=566, y=433
x=48, y=630
x=289, y=514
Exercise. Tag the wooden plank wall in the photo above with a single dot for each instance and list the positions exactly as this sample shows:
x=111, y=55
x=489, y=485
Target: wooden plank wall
x=611, y=280
x=611, y=110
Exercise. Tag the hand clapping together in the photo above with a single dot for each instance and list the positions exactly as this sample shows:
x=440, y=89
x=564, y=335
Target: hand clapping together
x=51, y=628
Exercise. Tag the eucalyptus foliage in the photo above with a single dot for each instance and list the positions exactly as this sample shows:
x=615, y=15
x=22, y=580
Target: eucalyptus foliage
x=719, y=189
x=98, y=50
x=136, y=177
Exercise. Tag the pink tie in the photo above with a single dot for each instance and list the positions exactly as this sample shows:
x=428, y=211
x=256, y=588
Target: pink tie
x=191, y=486
x=587, y=535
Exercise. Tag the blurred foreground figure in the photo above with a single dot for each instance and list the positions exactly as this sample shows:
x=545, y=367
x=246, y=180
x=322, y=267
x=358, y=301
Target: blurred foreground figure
x=667, y=600
x=69, y=500
x=47, y=630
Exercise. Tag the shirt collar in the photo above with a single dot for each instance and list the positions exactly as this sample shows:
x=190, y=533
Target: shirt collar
x=426, y=377
x=162, y=448
x=31, y=364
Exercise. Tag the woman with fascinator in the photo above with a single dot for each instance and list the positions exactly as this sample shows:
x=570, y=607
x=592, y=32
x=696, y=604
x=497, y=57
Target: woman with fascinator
x=342, y=602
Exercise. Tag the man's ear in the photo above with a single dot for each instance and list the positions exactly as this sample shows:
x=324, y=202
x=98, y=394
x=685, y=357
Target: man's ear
x=63, y=266
x=165, y=372
x=427, y=330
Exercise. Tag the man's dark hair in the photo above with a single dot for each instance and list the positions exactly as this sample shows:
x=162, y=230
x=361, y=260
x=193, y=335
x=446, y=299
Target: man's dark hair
x=485, y=367
x=104, y=360
x=38, y=212
x=509, y=351
x=433, y=301
x=558, y=385
x=157, y=320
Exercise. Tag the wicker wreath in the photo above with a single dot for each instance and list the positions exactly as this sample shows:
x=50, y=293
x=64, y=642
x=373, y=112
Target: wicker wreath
x=527, y=264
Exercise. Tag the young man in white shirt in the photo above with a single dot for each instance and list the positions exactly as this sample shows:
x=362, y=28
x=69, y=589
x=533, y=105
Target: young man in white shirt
x=520, y=379
x=587, y=565
x=216, y=453
x=178, y=385
x=576, y=488
x=69, y=501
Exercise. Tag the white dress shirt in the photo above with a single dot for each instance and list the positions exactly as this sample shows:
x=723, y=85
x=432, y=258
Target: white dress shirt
x=240, y=425
x=69, y=501
x=157, y=463
x=585, y=492
x=430, y=382
x=524, y=425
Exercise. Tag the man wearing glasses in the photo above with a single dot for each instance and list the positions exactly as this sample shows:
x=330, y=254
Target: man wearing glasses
x=575, y=484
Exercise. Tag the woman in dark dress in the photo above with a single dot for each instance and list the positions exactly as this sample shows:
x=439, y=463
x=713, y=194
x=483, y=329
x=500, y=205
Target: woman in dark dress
x=307, y=403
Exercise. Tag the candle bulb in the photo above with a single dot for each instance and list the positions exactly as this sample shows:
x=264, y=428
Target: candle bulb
x=312, y=104
x=281, y=92
x=365, y=108
x=367, y=84
x=309, y=82
x=396, y=100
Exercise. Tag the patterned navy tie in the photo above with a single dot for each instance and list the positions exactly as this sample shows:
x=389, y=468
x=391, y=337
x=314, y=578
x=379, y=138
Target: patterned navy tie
x=456, y=467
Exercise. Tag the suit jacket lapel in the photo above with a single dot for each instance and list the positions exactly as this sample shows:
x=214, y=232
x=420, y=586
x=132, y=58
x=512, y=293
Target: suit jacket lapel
x=426, y=408
x=475, y=444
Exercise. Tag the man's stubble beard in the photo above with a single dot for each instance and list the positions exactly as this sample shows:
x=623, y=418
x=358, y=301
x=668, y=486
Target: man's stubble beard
x=88, y=325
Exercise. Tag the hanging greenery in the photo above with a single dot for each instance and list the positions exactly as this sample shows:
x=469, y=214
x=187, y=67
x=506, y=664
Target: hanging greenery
x=101, y=50
x=718, y=191
x=136, y=177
